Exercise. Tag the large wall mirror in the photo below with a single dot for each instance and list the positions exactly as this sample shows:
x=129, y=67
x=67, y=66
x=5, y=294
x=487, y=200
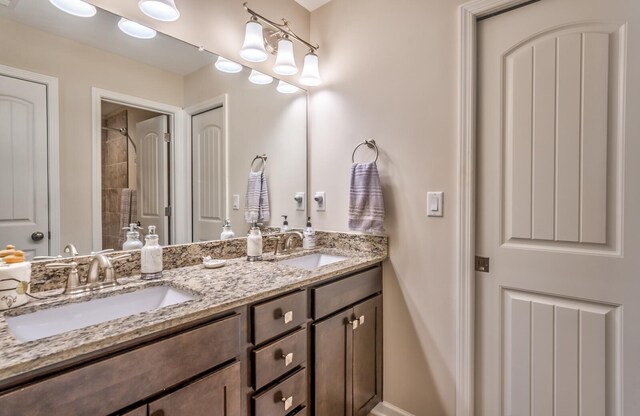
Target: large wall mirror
x=99, y=129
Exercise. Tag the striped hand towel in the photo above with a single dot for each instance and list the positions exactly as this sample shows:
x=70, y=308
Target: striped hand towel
x=128, y=211
x=256, y=206
x=366, y=205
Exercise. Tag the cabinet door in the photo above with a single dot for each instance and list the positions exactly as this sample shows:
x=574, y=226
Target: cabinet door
x=215, y=394
x=332, y=365
x=367, y=356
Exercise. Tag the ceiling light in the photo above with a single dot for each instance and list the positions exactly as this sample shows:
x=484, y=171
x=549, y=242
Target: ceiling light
x=285, y=61
x=225, y=65
x=136, y=29
x=163, y=10
x=310, y=74
x=260, y=78
x=75, y=7
x=253, y=47
x=286, y=88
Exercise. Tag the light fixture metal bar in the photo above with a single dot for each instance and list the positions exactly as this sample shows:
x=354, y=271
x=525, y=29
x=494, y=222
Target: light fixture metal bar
x=284, y=28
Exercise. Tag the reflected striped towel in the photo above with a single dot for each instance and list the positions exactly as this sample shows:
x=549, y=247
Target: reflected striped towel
x=256, y=206
x=128, y=212
x=366, y=205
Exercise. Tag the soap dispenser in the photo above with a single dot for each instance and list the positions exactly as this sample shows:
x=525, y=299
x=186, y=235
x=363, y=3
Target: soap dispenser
x=133, y=238
x=309, y=240
x=254, y=243
x=151, y=256
x=227, y=232
x=285, y=224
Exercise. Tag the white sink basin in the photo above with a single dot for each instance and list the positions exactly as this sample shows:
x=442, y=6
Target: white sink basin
x=312, y=261
x=54, y=321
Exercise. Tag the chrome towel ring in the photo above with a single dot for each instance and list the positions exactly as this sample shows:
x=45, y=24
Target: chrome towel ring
x=371, y=144
x=263, y=158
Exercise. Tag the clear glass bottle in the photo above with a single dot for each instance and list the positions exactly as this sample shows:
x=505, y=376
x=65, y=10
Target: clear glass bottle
x=254, y=244
x=227, y=232
x=133, y=238
x=151, y=256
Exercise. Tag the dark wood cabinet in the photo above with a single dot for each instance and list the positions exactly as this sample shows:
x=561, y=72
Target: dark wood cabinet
x=367, y=356
x=140, y=411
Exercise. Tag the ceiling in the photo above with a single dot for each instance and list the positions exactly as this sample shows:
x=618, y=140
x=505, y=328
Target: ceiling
x=311, y=5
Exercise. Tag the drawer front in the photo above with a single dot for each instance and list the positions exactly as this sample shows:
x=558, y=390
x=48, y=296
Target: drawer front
x=282, y=398
x=279, y=357
x=332, y=297
x=118, y=381
x=140, y=411
x=301, y=412
x=214, y=394
x=277, y=316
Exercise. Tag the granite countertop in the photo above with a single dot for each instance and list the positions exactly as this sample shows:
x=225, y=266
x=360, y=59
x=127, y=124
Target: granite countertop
x=237, y=283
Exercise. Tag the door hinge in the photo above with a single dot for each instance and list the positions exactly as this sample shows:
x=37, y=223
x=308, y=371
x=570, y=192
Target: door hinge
x=482, y=264
x=167, y=211
x=167, y=137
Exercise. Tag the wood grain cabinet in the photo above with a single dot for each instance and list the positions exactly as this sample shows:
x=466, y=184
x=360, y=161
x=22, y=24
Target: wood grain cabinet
x=347, y=358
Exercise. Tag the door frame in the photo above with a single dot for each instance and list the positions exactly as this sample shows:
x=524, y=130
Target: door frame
x=53, y=155
x=176, y=121
x=468, y=15
x=186, y=204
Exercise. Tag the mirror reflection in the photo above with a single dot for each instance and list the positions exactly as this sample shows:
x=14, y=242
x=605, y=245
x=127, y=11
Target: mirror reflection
x=101, y=130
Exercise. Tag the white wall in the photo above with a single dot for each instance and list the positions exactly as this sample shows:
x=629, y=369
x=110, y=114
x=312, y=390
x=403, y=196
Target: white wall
x=389, y=72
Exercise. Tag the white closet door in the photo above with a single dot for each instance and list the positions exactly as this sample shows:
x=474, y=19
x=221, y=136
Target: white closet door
x=153, y=176
x=24, y=204
x=208, y=174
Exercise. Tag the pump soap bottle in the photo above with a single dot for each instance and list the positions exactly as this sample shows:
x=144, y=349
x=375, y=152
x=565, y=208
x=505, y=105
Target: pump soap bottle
x=227, y=232
x=151, y=256
x=285, y=224
x=133, y=238
x=309, y=240
x=254, y=244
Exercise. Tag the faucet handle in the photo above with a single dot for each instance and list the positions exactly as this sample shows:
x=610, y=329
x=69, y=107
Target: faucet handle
x=277, y=239
x=71, y=265
x=72, y=284
x=58, y=257
x=120, y=257
x=110, y=273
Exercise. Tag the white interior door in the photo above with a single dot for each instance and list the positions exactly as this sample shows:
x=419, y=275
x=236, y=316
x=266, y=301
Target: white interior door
x=208, y=174
x=24, y=206
x=153, y=175
x=557, y=210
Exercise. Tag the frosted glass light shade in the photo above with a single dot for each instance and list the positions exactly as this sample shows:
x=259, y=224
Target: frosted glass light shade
x=225, y=65
x=253, y=47
x=310, y=73
x=285, y=62
x=136, y=29
x=260, y=78
x=75, y=7
x=163, y=10
x=286, y=88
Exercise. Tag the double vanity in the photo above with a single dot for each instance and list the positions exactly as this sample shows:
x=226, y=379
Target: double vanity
x=300, y=334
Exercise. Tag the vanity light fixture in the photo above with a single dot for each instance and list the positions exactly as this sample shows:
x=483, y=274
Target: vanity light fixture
x=260, y=78
x=228, y=66
x=286, y=88
x=75, y=7
x=278, y=39
x=136, y=30
x=163, y=10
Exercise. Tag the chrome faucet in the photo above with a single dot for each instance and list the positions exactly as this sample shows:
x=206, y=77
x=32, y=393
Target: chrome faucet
x=75, y=284
x=71, y=249
x=286, y=240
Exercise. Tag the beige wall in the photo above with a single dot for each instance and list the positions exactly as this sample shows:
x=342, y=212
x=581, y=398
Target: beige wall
x=389, y=71
x=78, y=68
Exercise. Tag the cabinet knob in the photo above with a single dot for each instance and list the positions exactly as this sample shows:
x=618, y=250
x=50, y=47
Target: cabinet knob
x=288, y=317
x=354, y=323
x=288, y=359
x=361, y=320
x=288, y=402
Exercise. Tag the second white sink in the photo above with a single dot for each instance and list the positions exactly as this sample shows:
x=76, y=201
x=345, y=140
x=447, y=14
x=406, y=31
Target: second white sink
x=53, y=321
x=313, y=261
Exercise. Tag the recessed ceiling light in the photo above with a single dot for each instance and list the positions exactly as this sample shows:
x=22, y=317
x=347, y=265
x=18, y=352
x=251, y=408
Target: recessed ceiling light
x=260, y=78
x=225, y=65
x=75, y=7
x=163, y=10
x=136, y=29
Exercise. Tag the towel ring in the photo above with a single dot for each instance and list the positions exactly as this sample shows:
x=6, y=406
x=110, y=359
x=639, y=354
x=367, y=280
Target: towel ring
x=371, y=144
x=264, y=162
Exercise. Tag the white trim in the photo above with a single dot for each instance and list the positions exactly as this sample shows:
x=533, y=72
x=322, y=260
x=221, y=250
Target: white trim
x=176, y=121
x=53, y=154
x=189, y=112
x=387, y=409
x=467, y=18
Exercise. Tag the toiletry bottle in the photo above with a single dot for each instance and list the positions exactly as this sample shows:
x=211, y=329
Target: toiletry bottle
x=133, y=238
x=151, y=256
x=285, y=224
x=309, y=240
x=227, y=232
x=254, y=244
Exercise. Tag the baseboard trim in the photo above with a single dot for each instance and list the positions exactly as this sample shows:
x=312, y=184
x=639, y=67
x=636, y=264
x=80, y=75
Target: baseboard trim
x=387, y=409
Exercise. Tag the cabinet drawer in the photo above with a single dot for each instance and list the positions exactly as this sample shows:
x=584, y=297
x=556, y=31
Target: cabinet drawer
x=214, y=394
x=334, y=296
x=277, y=316
x=301, y=412
x=120, y=380
x=282, y=398
x=279, y=357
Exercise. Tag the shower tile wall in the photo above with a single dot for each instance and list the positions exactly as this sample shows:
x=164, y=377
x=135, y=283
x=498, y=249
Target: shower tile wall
x=115, y=178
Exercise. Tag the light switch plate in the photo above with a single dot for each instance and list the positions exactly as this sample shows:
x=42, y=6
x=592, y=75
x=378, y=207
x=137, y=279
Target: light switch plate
x=299, y=199
x=320, y=200
x=435, y=201
x=236, y=202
